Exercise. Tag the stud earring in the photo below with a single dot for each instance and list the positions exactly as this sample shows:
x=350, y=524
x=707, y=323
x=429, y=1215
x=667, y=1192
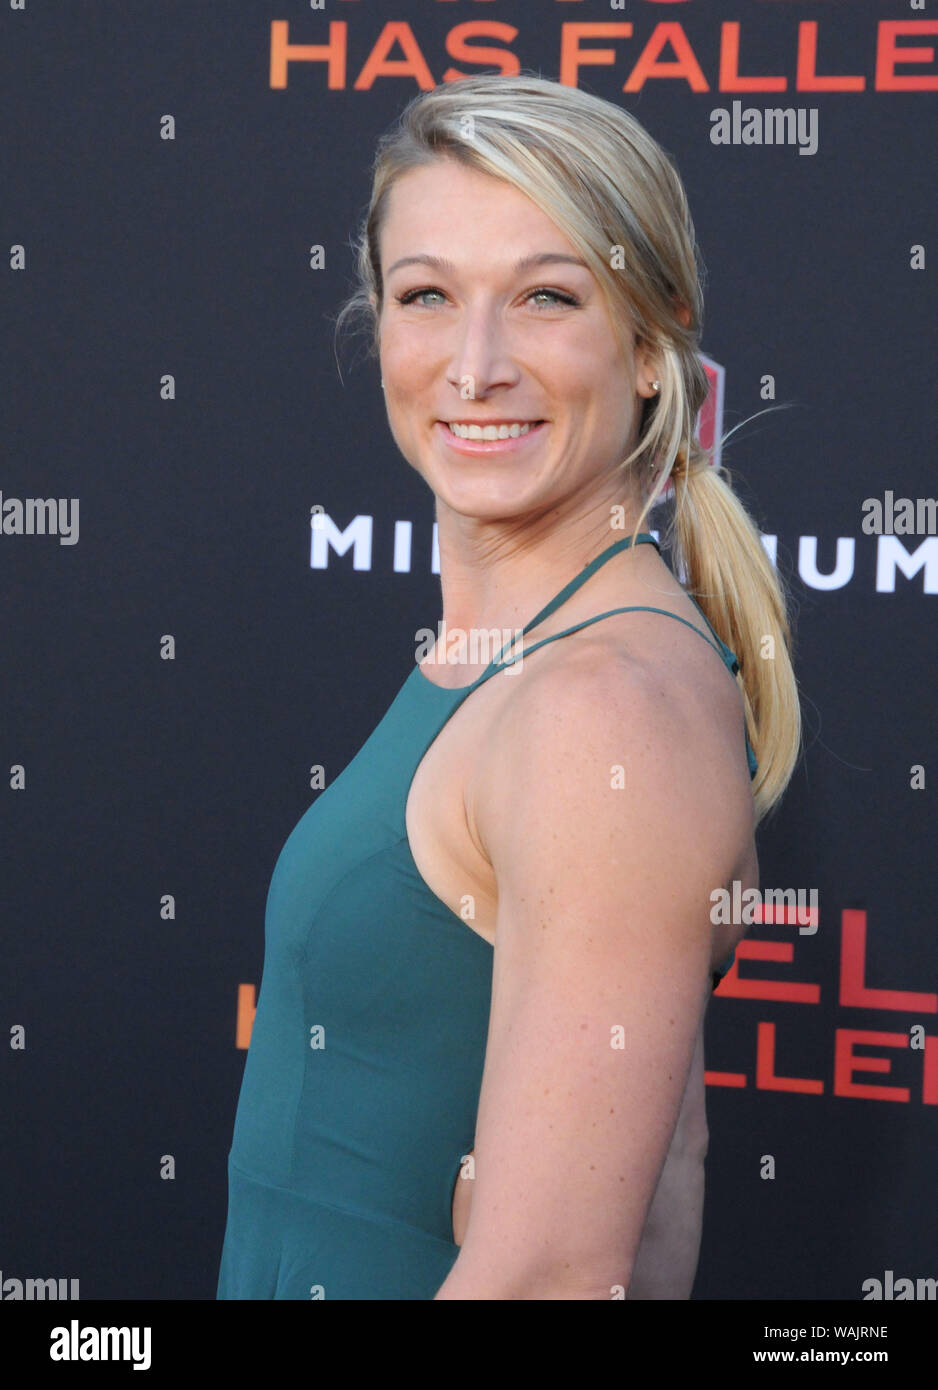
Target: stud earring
x=656, y=385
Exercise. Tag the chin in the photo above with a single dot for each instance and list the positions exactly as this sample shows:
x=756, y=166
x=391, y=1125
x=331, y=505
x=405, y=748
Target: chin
x=483, y=503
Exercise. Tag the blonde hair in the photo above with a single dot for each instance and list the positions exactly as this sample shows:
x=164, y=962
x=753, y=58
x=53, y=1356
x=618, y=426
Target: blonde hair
x=617, y=197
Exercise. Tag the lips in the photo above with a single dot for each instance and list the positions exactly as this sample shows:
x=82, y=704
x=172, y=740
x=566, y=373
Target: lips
x=490, y=446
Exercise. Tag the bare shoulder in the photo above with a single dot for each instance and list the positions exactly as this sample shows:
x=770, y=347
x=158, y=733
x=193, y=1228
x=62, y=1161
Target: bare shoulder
x=654, y=744
x=596, y=808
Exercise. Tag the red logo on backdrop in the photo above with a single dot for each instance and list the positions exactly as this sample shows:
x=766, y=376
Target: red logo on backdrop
x=710, y=417
x=709, y=425
x=905, y=1052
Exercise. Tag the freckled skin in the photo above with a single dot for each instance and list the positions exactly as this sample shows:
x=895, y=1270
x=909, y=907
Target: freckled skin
x=508, y=524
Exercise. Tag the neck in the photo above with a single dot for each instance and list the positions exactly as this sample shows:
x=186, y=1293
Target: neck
x=498, y=575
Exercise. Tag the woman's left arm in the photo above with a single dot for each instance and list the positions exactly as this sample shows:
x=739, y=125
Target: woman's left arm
x=606, y=840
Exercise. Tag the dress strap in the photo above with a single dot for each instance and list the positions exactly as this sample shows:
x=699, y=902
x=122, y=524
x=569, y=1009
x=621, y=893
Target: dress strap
x=733, y=663
x=720, y=650
x=643, y=538
x=725, y=653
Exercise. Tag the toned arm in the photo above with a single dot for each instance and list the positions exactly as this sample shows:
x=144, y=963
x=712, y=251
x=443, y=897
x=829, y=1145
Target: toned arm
x=666, y=1262
x=601, y=972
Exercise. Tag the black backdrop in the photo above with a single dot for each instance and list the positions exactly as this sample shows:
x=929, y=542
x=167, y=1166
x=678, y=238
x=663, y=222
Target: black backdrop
x=133, y=772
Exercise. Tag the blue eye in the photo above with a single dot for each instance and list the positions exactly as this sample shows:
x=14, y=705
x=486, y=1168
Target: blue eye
x=558, y=296
x=414, y=294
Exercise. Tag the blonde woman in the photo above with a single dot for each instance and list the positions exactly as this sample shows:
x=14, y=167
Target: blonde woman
x=476, y=1070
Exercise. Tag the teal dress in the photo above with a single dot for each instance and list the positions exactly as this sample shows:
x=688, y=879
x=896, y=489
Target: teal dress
x=361, y=1083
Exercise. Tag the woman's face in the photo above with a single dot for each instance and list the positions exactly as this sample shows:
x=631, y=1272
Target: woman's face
x=481, y=340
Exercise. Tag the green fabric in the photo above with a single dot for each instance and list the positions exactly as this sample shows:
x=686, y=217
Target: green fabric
x=361, y=1083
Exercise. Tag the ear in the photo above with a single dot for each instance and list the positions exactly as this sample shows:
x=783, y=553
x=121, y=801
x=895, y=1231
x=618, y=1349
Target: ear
x=647, y=368
x=373, y=300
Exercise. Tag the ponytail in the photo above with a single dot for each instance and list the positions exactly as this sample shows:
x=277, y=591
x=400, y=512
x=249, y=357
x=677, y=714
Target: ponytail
x=723, y=565
x=616, y=195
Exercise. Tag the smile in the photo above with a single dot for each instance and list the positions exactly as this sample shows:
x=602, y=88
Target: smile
x=486, y=438
x=499, y=431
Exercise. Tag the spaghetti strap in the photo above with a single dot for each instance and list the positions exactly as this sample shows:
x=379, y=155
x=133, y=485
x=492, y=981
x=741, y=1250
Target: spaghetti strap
x=633, y=608
x=643, y=538
x=344, y=1159
x=727, y=650
x=496, y=664
x=725, y=653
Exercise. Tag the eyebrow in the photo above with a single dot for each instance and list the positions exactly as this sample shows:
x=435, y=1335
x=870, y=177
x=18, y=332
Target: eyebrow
x=526, y=262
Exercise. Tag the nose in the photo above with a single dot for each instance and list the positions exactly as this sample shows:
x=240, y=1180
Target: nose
x=481, y=359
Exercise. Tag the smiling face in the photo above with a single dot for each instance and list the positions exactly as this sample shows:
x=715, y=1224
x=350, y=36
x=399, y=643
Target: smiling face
x=480, y=339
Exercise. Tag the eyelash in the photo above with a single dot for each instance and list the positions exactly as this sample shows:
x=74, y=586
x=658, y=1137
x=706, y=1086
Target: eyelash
x=560, y=295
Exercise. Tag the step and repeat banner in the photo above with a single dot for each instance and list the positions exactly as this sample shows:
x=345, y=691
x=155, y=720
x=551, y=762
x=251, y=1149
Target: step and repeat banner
x=182, y=648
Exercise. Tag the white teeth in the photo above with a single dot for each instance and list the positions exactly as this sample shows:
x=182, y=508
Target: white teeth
x=489, y=431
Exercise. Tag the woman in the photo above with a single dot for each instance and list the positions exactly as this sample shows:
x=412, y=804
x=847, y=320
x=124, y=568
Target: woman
x=476, y=1070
